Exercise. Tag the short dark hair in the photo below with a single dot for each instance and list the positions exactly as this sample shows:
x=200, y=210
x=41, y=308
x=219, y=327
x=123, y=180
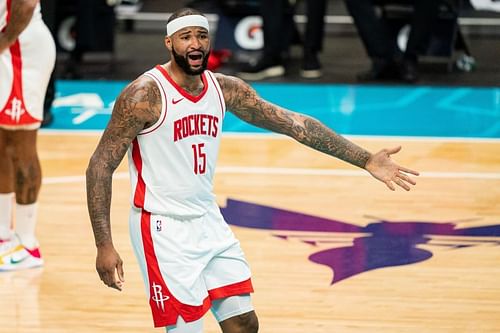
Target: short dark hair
x=183, y=12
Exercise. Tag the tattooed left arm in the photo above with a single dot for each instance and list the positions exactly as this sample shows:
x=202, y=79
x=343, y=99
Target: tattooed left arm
x=245, y=103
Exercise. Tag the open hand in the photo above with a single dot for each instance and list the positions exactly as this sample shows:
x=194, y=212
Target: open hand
x=381, y=166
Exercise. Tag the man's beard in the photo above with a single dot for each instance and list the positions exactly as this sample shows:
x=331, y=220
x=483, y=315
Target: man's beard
x=183, y=63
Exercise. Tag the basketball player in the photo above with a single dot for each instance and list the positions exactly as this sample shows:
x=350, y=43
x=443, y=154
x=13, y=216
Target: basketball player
x=170, y=120
x=27, y=57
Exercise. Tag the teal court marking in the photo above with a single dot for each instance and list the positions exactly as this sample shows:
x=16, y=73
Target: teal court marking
x=348, y=109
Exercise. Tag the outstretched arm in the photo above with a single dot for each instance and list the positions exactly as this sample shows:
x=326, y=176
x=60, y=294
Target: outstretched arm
x=21, y=12
x=137, y=106
x=244, y=102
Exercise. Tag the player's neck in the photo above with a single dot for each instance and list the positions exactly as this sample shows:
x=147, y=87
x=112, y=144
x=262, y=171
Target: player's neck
x=190, y=83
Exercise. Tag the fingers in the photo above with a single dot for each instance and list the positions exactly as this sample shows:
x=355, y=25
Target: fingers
x=397, y=181
x=406, y=178
x=109, y=280
x=394, y=150
x=117, y=285
x=109, y=277
x=402, y=184
x=401, y=180
x=119, y=270
x=413, y=172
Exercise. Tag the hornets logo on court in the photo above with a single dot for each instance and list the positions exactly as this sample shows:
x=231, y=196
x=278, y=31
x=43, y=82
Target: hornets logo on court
x=349, y=249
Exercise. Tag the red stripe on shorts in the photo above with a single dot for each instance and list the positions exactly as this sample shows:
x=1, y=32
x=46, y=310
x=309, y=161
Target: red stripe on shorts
x=164, y=306
x=14, y=112
x=239, y=288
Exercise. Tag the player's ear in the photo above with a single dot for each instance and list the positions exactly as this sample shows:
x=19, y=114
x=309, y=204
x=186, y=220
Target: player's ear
x=168, y=43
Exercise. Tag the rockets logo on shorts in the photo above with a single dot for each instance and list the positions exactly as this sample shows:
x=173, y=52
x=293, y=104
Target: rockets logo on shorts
x=16, y=110
x=158, y=296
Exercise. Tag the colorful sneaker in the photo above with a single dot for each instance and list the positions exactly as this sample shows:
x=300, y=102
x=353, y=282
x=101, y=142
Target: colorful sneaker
x=15, y=256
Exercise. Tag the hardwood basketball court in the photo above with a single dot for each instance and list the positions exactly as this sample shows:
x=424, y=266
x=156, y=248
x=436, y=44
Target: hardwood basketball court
x=454, y=290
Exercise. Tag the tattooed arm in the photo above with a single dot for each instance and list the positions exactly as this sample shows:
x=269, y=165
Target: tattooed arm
x=246, y=104
x=21, y=13
x=137, y=107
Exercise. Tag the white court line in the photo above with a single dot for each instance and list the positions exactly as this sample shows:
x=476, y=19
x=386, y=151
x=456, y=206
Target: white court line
x=350, y=173
x=77, y=179
x=295, y=171
x=275, y=136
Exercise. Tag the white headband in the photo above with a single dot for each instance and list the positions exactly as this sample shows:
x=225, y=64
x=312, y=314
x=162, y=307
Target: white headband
x=186, y=21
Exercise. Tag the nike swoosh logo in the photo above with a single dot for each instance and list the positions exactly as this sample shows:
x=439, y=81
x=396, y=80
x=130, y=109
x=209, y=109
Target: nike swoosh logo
x=176, y=101
x=14, y=261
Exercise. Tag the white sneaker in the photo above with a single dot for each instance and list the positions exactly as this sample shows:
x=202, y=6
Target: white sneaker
x=15, y=256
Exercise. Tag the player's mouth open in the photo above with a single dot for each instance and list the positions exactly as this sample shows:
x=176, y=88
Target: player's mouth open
x=195, y=58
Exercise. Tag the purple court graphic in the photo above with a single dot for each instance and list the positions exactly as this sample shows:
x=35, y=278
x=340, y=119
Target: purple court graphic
x=377, y=245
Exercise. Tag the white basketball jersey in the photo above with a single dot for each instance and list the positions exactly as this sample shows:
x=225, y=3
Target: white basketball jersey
x=172, y=163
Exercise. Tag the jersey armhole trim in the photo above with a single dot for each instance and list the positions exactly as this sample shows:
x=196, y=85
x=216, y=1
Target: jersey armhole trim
x=163, y=114
x=219, y=92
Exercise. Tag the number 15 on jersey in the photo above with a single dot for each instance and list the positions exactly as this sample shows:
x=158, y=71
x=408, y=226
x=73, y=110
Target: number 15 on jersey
x=199, y=159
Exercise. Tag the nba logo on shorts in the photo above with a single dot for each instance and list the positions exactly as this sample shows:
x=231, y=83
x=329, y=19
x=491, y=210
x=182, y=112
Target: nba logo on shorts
x=158, y=225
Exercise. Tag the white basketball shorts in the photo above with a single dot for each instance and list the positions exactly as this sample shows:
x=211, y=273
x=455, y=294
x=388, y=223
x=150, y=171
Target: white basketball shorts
x=187, y=263
x=25, y=70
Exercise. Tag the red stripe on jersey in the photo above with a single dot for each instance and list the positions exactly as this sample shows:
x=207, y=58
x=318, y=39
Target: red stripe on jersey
x=140, y=187
x=238, y=288
x=8, y=12
x=218, y=93
x=164, y=306
x=183, y=92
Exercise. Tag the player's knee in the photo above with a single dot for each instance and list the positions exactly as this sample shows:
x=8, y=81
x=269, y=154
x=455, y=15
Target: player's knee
x=247, y=323
x=252, y=325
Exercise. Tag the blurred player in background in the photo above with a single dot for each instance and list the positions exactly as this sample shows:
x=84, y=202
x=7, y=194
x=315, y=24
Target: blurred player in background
x=27, y=57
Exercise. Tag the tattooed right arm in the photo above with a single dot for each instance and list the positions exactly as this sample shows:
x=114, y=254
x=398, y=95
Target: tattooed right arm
x=137, y=107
